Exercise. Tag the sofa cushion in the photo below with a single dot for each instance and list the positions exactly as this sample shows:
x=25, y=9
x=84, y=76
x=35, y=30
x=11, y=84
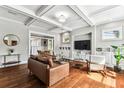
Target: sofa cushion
x=40, y=52
x=43, y=53
x=46, y=60
x=42, y=59
x=50, y=61
x=47, y=52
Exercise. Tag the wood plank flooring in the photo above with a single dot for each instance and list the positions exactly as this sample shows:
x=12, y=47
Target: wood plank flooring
x=18, y=77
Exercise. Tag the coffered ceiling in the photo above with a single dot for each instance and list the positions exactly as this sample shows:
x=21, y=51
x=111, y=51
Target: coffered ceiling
x=61, y=17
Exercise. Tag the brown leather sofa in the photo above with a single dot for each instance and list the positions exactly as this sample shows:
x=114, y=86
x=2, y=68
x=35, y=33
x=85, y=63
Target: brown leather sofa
x=48, y=75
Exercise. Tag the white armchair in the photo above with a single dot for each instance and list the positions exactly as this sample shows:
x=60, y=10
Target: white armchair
x=96, y=63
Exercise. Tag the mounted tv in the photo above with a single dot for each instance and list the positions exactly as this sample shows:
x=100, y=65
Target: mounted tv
x=82, y=45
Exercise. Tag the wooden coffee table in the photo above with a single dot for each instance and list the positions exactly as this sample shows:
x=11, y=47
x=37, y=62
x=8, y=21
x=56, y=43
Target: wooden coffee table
x=80, y=64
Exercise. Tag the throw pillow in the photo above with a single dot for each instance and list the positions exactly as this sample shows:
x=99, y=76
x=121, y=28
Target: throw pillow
x=50, y=61
x=33, y=57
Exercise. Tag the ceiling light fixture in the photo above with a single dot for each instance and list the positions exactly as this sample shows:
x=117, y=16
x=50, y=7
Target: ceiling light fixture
x=61, y=16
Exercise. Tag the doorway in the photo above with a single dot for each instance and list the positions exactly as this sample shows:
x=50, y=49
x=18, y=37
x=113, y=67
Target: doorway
x=41, y=42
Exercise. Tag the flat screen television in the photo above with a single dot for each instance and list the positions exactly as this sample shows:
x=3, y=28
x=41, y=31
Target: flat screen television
x=82, y=45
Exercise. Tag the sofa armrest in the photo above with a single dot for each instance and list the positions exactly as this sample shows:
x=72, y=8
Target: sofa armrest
x=58, y=73
x=39, y=69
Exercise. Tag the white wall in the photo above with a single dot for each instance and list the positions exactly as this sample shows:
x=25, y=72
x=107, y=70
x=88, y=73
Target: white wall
x=100, y=42
x=82, y=37
x=57, y=43
x=7, y=27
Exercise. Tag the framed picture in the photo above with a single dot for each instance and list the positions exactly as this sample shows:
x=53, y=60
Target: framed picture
x=112, y=34
x=65, y=37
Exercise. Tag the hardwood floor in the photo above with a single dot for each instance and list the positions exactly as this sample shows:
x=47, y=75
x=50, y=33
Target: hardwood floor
x=18, y=77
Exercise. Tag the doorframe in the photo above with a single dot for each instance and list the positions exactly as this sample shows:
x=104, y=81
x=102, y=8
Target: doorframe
x=39, y=33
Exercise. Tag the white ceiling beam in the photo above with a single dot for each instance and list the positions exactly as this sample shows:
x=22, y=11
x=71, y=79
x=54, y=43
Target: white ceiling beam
x=29, y=13
x=102, y=10
x=34, y=26
x=52, y=28
x=110, y=21
x=41, y=11
x=57, y=30
x=29, y=21
x=82, y=13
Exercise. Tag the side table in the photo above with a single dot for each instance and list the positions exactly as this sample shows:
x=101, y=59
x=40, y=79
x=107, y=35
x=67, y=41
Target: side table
x=10, y=62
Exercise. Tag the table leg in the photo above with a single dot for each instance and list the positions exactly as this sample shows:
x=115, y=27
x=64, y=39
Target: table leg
x=88, y=67
x=18, y=58
x=4, y=61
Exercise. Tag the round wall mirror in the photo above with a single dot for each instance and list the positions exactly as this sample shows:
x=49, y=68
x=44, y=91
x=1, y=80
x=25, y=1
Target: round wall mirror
x=11, y=40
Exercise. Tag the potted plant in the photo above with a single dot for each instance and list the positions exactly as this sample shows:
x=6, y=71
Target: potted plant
x=118, y=56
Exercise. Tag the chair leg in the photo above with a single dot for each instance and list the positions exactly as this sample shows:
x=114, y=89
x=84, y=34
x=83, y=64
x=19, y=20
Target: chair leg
x=105, y=70
x=88, y=71
x=88, y=67
x=103, y=73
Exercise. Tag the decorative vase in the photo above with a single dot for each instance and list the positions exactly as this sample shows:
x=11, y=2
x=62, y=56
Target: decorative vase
x=10, y=51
